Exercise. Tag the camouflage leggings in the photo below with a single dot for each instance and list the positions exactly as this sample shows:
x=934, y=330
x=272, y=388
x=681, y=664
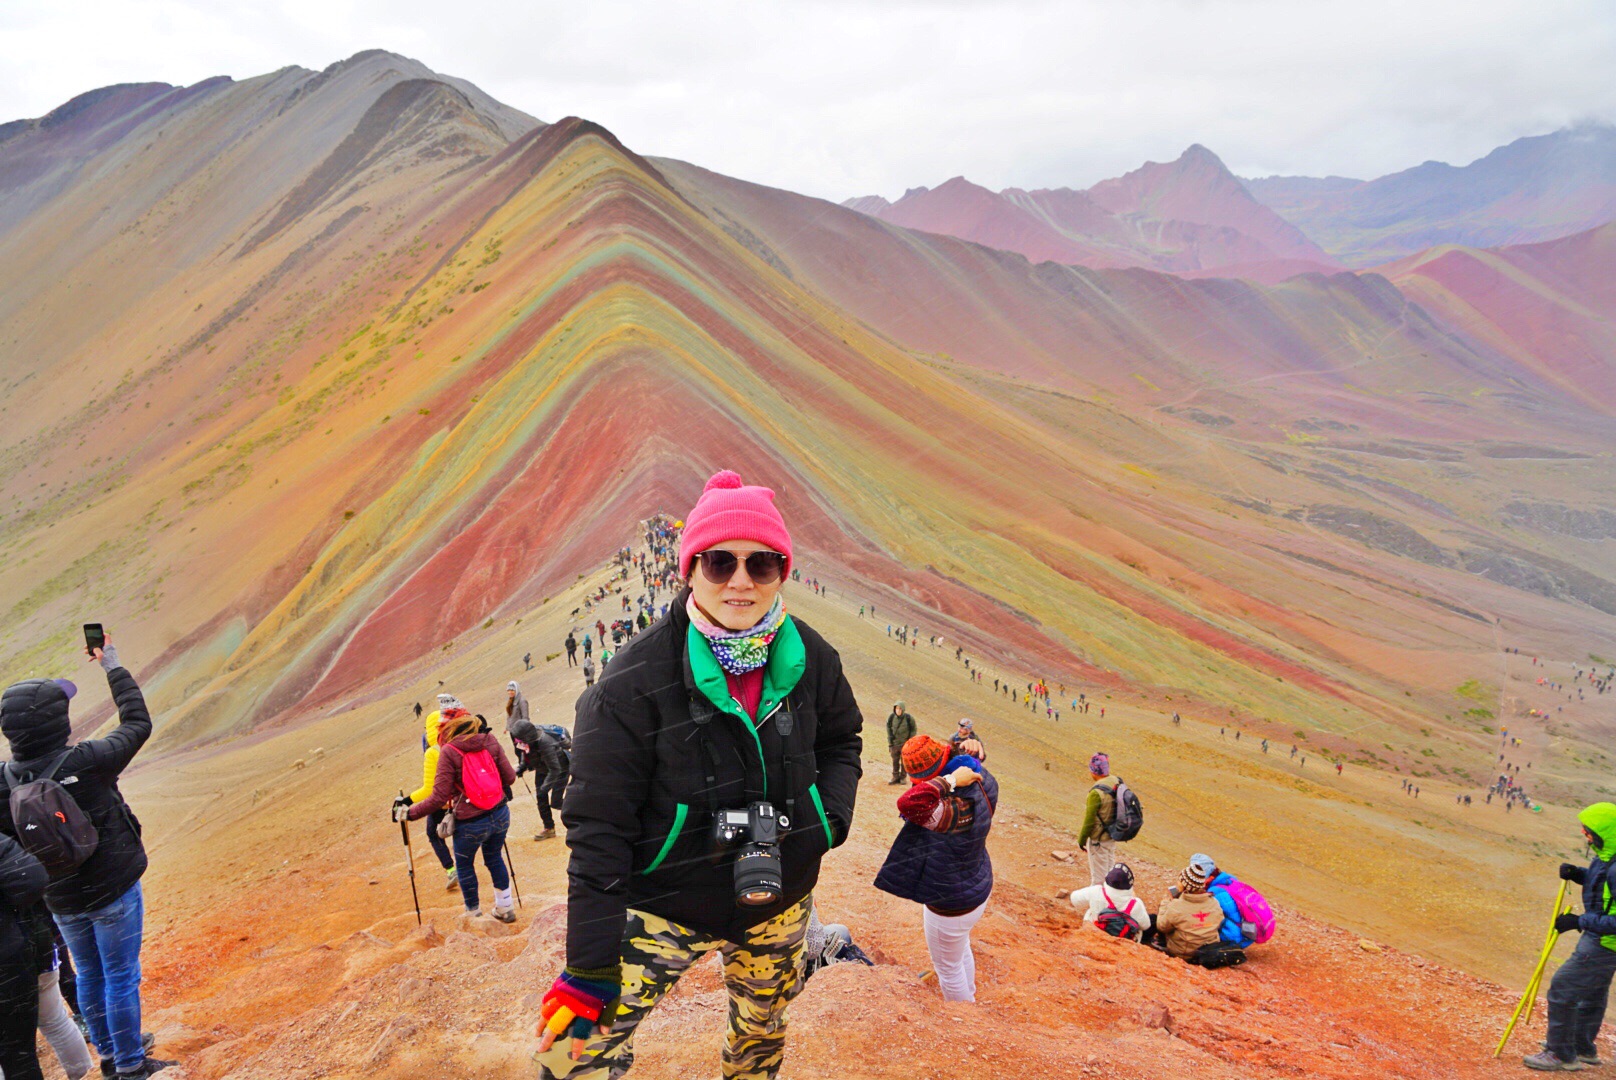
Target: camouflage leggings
x=762, y=973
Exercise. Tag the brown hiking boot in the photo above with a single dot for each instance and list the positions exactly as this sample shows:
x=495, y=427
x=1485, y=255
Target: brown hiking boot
x=547, y=834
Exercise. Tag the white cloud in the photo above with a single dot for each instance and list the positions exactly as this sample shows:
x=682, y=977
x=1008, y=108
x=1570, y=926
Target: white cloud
x=835, y=97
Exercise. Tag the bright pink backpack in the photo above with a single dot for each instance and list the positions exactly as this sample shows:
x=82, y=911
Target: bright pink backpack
x=1254, y=910
x=480, y=780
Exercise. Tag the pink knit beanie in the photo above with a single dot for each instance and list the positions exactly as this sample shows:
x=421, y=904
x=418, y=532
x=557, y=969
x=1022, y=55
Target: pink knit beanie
x=730, y=510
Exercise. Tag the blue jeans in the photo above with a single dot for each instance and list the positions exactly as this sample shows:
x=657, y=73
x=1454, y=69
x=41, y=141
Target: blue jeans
x=485, y=834
x=105, y=945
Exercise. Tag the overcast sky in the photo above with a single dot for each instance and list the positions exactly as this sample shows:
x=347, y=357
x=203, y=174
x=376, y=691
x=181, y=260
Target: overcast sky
x=842, y=98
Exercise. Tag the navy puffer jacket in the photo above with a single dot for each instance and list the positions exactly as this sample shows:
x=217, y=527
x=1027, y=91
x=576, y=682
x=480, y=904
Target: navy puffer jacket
x=947, y=870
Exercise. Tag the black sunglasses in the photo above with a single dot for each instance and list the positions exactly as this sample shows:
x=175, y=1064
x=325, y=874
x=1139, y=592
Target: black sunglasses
x=763, y=567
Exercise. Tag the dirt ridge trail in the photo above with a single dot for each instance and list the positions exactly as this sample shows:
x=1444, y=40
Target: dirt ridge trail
x=281, y=941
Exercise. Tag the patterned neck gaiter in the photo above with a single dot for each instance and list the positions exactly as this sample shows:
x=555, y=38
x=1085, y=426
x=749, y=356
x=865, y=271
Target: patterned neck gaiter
x=739, y=651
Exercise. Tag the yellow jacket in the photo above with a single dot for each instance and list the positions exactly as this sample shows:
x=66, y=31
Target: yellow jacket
x=429, y=760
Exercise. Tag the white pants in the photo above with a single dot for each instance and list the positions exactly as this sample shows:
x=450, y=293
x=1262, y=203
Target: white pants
x=56, y=1024
x=948, y=939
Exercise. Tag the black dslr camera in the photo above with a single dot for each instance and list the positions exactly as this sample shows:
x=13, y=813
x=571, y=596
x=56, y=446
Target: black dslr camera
x=758, y=880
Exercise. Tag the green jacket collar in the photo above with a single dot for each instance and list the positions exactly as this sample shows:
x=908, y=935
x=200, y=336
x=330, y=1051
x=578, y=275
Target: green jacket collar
x=788, y=659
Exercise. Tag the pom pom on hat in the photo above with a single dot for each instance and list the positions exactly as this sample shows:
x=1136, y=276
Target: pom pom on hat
x=730, y=509
x=728, y=478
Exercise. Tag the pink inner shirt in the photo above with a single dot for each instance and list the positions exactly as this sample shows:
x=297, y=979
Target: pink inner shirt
x=747, y=689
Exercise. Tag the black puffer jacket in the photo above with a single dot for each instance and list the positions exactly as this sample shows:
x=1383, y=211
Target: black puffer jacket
x=33, y=717
x=652, y=757
x=22, y=886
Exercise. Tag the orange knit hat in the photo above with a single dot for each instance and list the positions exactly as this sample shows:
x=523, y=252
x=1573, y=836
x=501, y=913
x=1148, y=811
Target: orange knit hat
x=924, y=757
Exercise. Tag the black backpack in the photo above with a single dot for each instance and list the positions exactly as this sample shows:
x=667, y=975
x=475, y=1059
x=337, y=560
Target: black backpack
x=50, y=825
x=1219, y=954
x=1130, y=815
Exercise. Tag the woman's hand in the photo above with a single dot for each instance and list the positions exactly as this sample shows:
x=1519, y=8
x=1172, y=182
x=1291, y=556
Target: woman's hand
x=963, y=775
x=578, y=1006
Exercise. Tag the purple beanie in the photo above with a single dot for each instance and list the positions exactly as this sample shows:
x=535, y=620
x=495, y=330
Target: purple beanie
x=1100, y=765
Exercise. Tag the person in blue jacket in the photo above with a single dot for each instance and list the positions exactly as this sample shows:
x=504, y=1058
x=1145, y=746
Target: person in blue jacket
x=1234, y=930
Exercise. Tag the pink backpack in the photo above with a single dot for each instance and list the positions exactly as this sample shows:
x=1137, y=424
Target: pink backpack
x=1254, y=910
x=479, y=779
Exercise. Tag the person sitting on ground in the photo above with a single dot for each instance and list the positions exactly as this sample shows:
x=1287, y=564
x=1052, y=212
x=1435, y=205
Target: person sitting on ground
x=1114, y=894
x=99, y=904
x=1581, y=987
x=480, y=805
x=940, y=857
x=825, y=944
x=967, y=733
x=1190, y=918
x=1098, y=814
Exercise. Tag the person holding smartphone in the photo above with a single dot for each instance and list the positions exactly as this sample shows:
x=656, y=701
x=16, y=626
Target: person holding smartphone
x=714, y=765
x=97, y=904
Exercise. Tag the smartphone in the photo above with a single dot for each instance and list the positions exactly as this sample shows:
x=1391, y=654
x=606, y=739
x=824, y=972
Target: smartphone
x=94, y=636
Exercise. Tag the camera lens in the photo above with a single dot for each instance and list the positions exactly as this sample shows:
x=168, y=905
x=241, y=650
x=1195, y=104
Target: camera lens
x=757, y=875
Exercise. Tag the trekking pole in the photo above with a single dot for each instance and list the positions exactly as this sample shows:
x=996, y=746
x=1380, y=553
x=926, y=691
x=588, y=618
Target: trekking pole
x=511, y=866
x=404, y=826
x=1529, y=998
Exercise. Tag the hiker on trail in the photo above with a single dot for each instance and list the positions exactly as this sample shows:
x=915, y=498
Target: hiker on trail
x=1191, y=917
x=473, y=782
x=22, y=889
x=1580, y=989
x=527, y=661
x=766, y=744
x=1099, y=812
x=940, y=857
x=589, y=670
x=95, y=900
x=1114, y=894
x=448, y=706
x=571, y=645
x=541, y=753
x=589, y=646
x=418, y=710
x=967, y=733
x=900, y=729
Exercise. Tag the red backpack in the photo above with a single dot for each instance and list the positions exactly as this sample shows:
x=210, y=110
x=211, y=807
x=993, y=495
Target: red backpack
x=1119, y=922
x=480, y=780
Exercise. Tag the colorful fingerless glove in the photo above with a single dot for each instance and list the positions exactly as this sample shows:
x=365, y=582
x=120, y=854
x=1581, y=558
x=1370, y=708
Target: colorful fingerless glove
x=578, y=1000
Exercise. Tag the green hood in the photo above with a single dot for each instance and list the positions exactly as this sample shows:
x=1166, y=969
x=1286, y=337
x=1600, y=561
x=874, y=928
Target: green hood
x=1600, y=818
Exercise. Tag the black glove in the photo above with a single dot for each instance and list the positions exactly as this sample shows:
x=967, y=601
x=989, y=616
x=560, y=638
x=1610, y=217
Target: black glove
x=1566, y=922
x=521, y=767
x=1572, y=872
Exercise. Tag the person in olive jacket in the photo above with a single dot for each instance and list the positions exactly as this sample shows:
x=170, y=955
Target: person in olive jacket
x=725, y=704
x=900, y=729
x=99, y=905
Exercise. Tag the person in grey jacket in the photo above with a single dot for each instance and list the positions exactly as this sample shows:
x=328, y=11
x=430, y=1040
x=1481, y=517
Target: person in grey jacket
x=900, y=729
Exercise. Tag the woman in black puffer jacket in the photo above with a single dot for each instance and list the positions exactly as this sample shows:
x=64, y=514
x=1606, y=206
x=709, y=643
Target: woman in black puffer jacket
x=727, y=703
